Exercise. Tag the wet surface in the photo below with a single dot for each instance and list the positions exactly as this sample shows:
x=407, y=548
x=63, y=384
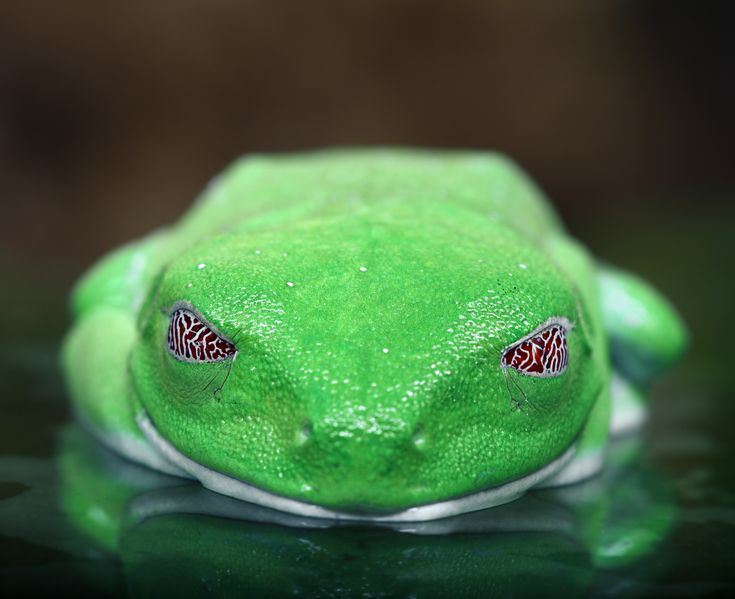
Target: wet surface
x=660, y=521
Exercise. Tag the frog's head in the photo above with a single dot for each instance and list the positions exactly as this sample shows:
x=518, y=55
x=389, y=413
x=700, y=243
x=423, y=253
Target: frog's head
x=367, y=363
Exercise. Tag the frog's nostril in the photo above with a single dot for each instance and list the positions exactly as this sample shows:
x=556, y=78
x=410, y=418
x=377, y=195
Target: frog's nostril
x=419, y=438
x=304, y=433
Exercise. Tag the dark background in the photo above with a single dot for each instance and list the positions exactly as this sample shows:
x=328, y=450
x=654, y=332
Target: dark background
x=113, y=116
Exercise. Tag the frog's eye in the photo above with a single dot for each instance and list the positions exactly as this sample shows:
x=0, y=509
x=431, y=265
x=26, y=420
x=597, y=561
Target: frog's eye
x=543, y=353
x=190, y=340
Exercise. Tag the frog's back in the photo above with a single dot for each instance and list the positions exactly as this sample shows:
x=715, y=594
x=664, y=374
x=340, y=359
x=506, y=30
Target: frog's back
x=277, y=192
x=266, y=191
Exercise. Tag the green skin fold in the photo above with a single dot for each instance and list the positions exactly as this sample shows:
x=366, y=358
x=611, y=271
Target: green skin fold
x=370, y=295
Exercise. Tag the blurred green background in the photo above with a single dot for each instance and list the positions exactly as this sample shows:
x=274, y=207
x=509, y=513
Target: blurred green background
x=113, y=116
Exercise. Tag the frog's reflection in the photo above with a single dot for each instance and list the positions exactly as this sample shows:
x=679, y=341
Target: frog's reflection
x=176, y=537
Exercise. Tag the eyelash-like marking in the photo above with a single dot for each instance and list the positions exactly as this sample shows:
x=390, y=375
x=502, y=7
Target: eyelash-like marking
x=543, y=353
x=190, y=340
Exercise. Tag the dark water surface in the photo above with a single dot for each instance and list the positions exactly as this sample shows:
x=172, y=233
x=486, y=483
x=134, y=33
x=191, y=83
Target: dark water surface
x=660, y=520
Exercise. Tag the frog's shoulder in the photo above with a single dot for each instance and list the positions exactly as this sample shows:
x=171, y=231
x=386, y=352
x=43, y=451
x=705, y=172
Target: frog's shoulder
x=269, y=190
x=121, y=278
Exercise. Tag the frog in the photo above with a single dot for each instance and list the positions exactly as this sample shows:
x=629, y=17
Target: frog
x=374, y=335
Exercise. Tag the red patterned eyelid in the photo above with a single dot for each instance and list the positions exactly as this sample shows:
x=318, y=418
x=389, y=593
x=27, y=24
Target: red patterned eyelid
x=192, y=339
x=541, y=353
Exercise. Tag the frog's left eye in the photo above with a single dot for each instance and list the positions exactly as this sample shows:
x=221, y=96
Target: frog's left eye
x=190, y=340
x=543, y=353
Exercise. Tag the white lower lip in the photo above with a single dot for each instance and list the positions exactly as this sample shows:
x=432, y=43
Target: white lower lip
x=227, y=485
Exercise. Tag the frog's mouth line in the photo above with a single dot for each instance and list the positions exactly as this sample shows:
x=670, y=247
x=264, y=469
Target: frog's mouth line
x=232, y=487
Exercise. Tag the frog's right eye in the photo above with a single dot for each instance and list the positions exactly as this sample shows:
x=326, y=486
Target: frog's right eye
x=543, y=353
x=190, y=340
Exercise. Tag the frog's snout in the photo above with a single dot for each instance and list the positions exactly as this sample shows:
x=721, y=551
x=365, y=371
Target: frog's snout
x=362, y=434
x=360, y=460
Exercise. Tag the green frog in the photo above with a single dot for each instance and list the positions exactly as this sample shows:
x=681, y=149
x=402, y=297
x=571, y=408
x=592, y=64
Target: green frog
x=375, y=335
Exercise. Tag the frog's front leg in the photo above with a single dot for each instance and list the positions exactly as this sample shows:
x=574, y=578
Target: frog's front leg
x=647, y=337
x=96, y=351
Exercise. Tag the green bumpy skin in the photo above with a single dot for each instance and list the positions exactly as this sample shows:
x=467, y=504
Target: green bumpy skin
x=370, y=295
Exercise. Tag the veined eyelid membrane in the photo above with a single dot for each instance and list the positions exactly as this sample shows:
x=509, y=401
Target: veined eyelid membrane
x=191, y=340
x=543, y=353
